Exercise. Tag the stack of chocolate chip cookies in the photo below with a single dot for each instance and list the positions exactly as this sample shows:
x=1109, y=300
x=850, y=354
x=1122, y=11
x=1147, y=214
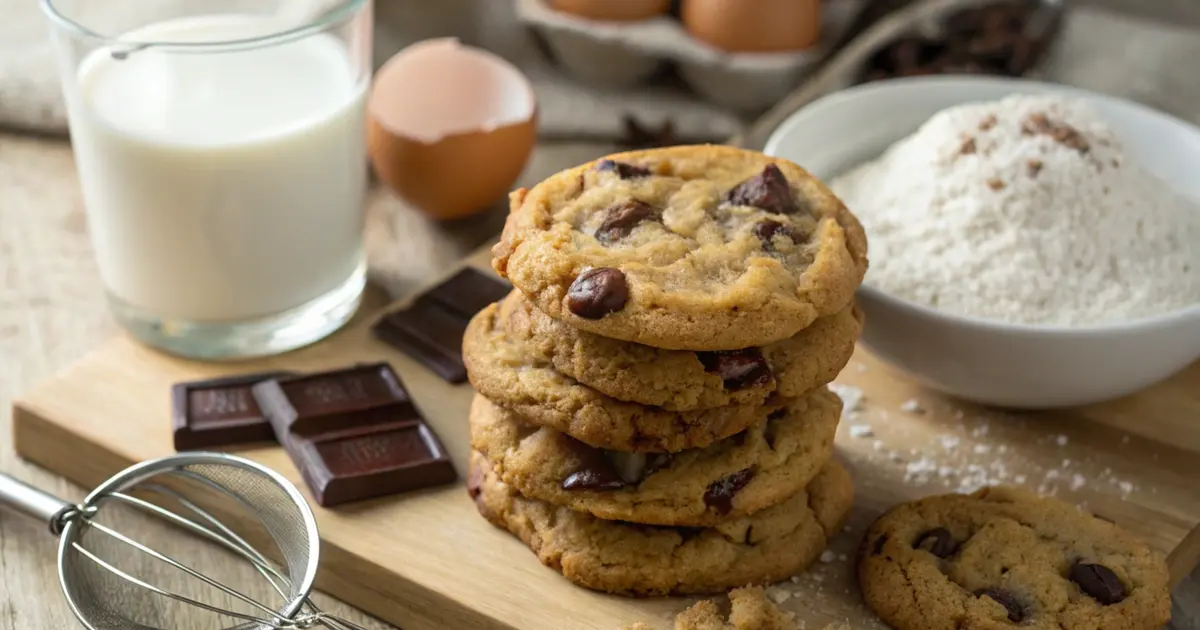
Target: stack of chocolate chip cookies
x=652, y=416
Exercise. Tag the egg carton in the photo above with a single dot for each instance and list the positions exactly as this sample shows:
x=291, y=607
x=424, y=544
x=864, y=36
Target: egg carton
x=845, y=68
x=626, y=54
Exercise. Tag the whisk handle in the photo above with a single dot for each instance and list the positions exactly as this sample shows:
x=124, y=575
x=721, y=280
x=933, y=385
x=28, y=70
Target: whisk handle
x=24, y=498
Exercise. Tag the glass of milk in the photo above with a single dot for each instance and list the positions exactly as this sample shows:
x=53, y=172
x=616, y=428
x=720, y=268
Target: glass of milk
x=221, y=151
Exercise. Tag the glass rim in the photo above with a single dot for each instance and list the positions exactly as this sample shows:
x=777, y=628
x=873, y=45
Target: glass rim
x=317, y=24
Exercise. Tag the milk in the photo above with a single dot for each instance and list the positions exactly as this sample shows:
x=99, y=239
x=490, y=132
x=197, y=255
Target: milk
x=222, y=186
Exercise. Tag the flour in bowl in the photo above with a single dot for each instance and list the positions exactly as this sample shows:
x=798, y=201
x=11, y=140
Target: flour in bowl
x=1025, y=210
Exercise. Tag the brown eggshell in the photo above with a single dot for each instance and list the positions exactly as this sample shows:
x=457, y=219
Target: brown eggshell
x=754, y=25
x=450, y=127
x=613, y=10
x=457, y=176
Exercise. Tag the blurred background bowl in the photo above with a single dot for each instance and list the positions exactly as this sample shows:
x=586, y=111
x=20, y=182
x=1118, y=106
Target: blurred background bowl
x=989, y=361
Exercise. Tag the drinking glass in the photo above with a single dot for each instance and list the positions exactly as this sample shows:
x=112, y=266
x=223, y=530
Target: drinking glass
x=221, y=153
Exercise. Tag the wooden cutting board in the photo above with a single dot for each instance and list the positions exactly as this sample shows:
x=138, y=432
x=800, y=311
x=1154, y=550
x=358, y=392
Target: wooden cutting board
x=427, y=561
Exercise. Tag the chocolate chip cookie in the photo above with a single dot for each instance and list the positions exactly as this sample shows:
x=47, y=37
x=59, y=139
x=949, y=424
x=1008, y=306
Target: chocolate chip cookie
x=501, y=368
x=750, y=471
x=1007, y=558
x=650, y=560
x=687, y=248
x=683, y=379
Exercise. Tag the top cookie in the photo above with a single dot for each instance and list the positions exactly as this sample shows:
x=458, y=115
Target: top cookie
x=686, y=248
x=1003, y=558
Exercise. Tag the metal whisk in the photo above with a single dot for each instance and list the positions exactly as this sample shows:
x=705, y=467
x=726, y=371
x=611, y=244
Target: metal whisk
x=109, y=578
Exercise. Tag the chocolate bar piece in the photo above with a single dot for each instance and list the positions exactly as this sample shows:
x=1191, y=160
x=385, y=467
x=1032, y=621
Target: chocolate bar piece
x=430, y=330
x=312, y=404
x=372, y=461
x=219, y=412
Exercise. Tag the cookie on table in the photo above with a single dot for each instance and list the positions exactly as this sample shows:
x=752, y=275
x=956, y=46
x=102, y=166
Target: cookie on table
x=683, y=380
x=650, y=560
x=1006, y=558
x=690, y=247
x=748, y=472
x=501, y=368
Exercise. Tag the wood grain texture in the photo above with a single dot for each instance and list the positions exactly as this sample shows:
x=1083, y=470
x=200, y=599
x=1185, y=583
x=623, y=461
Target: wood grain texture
x=52, y=311
x=426, y=560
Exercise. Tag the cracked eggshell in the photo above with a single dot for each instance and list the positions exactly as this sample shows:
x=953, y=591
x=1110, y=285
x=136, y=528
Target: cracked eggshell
x=450, y=127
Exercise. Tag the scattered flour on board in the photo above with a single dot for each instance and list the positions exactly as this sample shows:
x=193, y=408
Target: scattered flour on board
x=1025, y=210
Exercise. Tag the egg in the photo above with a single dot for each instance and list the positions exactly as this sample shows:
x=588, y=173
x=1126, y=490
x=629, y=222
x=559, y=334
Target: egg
x=613, y=10
x=754, y=25
x=450, y=127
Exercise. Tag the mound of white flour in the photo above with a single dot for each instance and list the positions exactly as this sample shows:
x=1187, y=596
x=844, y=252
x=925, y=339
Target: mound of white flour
x=1025, y=210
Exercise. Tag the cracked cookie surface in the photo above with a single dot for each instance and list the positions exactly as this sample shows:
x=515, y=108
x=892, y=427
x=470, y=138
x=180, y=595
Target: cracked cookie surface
x=685, y=379
x=500, y=368
x=650, y=560
x=748, y=472
x=690, y=247
x=1005, y=558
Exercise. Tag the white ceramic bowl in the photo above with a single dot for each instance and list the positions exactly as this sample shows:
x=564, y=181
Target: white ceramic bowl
x=988, y=361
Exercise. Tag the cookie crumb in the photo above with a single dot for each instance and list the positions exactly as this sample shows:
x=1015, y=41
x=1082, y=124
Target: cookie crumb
x=778, y=595
x=828, y=556
x=1077, y=481
x=912, y=406
x=949, y=442
x=1061, y=440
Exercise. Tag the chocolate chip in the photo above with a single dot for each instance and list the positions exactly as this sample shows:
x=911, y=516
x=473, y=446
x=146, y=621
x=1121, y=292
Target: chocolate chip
x=598, y=292
x=937, y=541
x=1016, y=612
x=768, y=190
x=595, y=470
x=1098, y=581
x=623, y=170
x=766, y=231
x=738, y=369
x=720, y=493
x=622, y=218
x=879, y=543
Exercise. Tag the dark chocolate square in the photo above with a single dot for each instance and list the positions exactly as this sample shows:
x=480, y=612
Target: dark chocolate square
x=311, y=404
x=369, y=462
x=430, y=330
x=219, y=412
x=468, y=291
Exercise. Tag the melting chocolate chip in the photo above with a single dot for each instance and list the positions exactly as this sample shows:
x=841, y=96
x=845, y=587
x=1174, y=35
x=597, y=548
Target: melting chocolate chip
x=766, y=231
x=598, y=292
x=592, y=479
x=1016, y=612
x=738, y=369
x=768, y=190
x=595, y=471
x=720, y=493
x=622, y=218
x=879, y=543
x=937, y=541
x=1098, y=581
x=622, y=169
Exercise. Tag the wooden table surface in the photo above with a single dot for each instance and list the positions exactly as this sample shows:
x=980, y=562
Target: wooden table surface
x=52, y=310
